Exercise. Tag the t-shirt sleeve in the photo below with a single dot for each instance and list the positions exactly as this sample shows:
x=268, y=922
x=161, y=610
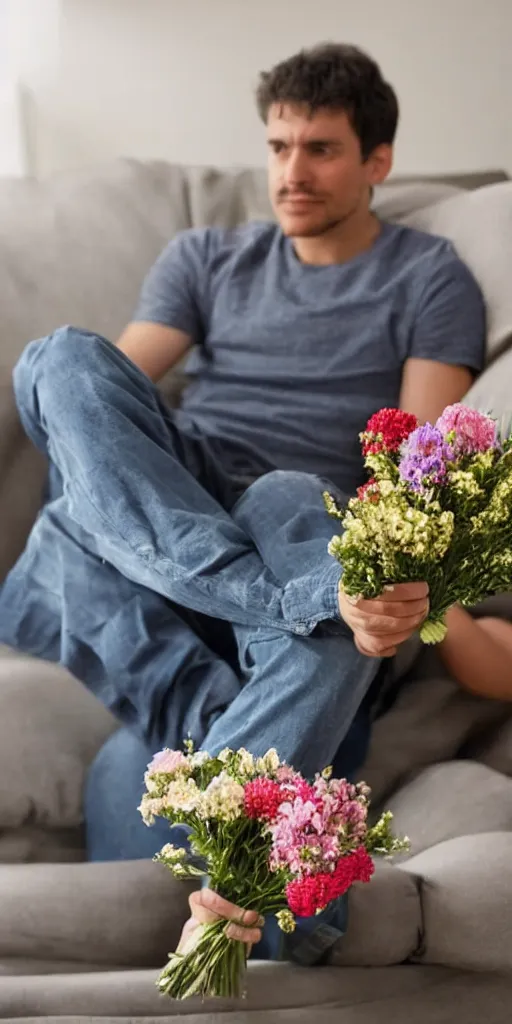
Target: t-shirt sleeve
x=170, y=292
x=450, y=326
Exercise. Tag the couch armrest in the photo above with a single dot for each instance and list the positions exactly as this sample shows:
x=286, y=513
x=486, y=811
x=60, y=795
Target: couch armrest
x=465, y=888
x=51, y=728
x=126, y=914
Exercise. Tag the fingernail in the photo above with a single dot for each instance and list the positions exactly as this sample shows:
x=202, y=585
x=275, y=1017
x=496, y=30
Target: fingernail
x=260, y=922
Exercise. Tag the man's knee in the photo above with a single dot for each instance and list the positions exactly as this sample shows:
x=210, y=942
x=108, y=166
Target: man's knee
x=282, y=487
x=61, y=356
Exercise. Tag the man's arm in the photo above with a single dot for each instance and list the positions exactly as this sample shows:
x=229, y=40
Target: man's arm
x=428, y=387
x=168, y=318
x=154, y=348
x=447, y=342
x=478, y=653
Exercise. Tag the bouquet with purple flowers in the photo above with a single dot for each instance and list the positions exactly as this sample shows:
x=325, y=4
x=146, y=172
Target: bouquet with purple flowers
x=437, y=508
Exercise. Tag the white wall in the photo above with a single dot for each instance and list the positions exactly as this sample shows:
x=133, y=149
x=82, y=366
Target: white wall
x=174, y=79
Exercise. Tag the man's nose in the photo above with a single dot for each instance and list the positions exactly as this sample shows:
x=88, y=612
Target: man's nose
x=297, y=173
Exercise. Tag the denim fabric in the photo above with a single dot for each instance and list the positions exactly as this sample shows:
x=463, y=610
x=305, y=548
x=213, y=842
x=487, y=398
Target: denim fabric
x=135, y=529
x=153, y=499
x=188, y=604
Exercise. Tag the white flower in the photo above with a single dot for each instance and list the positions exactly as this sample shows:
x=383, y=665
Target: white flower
x=222, y=799
x=150, y=807
x=173, y=853
x=269, y=763
x=200, y=758
x=152, y=784
x=246, y=763
x=182, y=795
x=225, y=755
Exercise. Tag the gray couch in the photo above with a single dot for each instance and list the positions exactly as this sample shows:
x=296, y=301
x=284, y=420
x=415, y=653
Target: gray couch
x=430, y=938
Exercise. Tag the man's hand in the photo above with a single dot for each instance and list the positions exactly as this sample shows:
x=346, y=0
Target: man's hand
x=207, y=906
x=380, y=625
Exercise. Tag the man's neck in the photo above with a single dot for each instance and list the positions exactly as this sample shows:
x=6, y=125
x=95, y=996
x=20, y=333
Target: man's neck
x=342, y=243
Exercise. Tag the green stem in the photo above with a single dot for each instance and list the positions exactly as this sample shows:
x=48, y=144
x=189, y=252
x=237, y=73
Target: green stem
x=433, y=631
x=214, y=966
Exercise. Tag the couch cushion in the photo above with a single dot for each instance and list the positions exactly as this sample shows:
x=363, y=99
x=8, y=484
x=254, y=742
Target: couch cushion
x=430, y=720
x=396, y=200
x=384, y=921
x=31, y=844
x=51, y=727
x=292, y=994
x=458, y=798
x=492, y=390
x=479, y=224
x=467, y=911
x=75, y=248
x=23, y=473
x=132, y=912
x=494, y=748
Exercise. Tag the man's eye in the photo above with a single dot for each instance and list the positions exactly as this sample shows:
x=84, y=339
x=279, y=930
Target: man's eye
x=319, y=148
x=277, y=147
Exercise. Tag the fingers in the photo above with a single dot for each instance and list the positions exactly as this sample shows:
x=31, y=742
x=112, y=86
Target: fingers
x=249, y=935
x=405, y=592
x=207, y=906
x=384, y=625
x=385, y=646
x=393, y=609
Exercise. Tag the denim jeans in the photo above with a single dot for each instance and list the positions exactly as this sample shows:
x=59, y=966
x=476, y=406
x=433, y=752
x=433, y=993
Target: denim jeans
x=188, y=604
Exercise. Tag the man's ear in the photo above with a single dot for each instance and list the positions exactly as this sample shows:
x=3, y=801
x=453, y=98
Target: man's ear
x=379, y=164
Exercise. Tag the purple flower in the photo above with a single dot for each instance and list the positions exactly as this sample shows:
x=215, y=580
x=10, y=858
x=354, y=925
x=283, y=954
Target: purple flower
x=425, y=455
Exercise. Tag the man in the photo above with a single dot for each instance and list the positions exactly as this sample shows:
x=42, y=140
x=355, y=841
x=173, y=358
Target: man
x=180, y=568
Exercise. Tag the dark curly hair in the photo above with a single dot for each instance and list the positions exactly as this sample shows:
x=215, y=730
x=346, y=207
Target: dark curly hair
x=335, y=76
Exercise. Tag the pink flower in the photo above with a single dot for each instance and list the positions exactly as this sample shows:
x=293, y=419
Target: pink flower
x=467, y=430
x=304, y=790
x=168, y=762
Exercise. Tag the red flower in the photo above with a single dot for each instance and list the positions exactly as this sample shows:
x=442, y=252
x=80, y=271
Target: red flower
x=369, y=491
x=313, y=892
x=262, y=798
x=386, y=430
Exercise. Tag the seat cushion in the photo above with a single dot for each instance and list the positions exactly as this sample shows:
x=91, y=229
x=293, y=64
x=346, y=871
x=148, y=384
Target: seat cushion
x=276, y=994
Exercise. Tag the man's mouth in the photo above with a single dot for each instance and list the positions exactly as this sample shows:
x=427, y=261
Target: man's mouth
x=299, y=200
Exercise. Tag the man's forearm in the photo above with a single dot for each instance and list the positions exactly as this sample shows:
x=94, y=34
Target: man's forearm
x=478, y=653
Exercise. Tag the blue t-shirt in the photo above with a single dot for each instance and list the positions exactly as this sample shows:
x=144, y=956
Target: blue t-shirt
x=290, y=360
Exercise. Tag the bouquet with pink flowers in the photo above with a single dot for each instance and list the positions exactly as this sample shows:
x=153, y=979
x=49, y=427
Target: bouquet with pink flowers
x=267, y=840
x=437, y=508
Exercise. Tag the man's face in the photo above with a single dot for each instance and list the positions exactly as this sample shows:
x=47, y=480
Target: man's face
x=317, y=177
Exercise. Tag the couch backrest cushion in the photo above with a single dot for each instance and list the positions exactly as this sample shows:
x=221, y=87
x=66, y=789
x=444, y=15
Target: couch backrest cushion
x=480, y=226
x=75, y=248
x=492, y=391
